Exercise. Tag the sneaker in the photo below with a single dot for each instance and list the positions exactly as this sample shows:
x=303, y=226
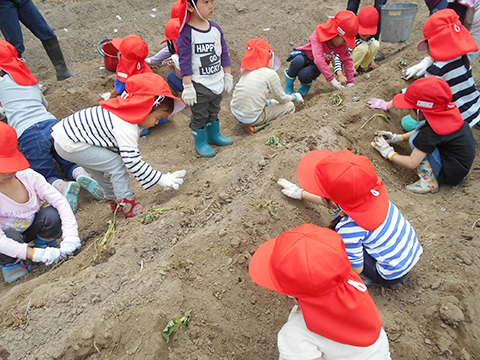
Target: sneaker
x=144, y=132
x=91, y=186
x=70, y=190
x=42, y=244
x=130, y=207
x=13, y=272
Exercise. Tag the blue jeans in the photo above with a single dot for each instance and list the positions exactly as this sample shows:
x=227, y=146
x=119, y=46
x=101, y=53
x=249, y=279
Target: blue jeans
x=12, y=12
x=304, y=68
x=37, y=146
x=370, y=271
x=175, y=83
x=434, y=158
x=46, y=224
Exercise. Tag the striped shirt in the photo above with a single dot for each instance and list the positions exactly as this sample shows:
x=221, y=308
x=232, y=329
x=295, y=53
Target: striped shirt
x=99, y=127
x=253, y=90
x=462, y=84
x=394, y=244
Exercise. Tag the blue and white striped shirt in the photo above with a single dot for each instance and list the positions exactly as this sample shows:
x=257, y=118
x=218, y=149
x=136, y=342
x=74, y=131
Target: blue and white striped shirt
x=394, y=244
x=99, y=127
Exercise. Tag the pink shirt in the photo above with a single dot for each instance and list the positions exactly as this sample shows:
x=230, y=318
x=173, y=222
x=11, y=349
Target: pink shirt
x=19, y=217
x=321, y=53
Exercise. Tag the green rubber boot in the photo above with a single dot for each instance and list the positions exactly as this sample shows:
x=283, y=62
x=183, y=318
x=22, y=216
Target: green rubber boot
x=201, y=144
x=214, y=137
x=288, y=83
x=304, y=89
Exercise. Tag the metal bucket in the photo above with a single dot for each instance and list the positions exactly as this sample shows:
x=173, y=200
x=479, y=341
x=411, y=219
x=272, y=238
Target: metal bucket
x=397, y=21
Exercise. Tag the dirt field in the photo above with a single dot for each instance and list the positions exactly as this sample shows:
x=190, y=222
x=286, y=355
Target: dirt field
x=115, y=304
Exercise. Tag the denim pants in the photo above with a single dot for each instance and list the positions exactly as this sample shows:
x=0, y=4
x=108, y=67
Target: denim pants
x=434, y=158
x=106, y=167
x=304, y=68
x=37, y=146
x=370, y=271
x=46, y=225
x=13, y=11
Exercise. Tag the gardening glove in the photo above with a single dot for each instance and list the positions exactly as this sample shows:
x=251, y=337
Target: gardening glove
x=148, y=61
x=391, y=137
x=376, y=103
x=419, y=69
x=350, y=85
x=189, y=95
x=69, y=245
x=336, y=84
x=48, y=255
x=228, y=79
x=381, y=145
x=172, y=180
x=290, y=189
x=272, y=102
x=298, y=98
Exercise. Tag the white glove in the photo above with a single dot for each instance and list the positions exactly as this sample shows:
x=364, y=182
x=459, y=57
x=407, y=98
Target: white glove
x=69, y=245
x=48, y=255
x=272, y=102
x=172, y=180
x=148, y=61
x=381, y=145
x=189, y=95
x=349, y=85
x=336, y=84
x=419, y=69
x=391, y=137
x=228, y=79
x=298, y=98
x=290, y=189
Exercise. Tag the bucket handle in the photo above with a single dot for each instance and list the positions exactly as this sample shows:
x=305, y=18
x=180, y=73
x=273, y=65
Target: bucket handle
x=418, y=3
x=100, y=43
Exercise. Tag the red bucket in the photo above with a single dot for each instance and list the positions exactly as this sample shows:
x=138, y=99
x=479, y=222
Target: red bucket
x=109, y=53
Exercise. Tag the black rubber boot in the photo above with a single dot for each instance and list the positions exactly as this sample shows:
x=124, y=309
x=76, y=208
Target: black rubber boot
x=52, y=47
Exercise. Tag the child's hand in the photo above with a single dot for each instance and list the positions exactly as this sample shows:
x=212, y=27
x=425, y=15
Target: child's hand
x=419, y=69
x=381, y=145
x=341, y=78
x=298, y=98
x=48, y=255
x=69, y=245
x=172, y=180
x=336, y=84
x=391, y=137
x=290, y=189
x=189, y=95
x=228, y=79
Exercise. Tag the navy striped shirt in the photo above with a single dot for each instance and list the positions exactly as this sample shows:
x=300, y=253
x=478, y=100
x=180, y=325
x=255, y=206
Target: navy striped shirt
x=394, y=244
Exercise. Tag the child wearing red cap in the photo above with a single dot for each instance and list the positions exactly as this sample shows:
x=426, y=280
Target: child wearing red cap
x=22, y=217
x=258, y=97
x=332, y=38
x=381, y=244
x=26, y=111
x=104, y=139
x=334, y=316
x=206, y=70
x=443, y=147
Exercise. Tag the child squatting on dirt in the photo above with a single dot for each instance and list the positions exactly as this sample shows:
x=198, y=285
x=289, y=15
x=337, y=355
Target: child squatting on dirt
x=104, y=139
x=381, y=244
x=23, y=219
x=443, y=147
x=25, y=108
x=205, y=67
x=335, y=37
x=334, y=316
x=250, y=103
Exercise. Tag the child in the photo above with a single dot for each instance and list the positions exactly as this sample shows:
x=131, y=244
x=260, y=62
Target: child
x=334, y=316
x=104, y=139
x=22, y=219
x=335, y=37
x=25, y=107
x=250, y=103
x=381, y=244
x=448, y=43
x=133, y=51
x=205, y=67
x=443, y=147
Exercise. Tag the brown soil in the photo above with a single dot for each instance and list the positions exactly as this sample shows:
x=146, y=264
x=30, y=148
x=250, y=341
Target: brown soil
x=115, y=304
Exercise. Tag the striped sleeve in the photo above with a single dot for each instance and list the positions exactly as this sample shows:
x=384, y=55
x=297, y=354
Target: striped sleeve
x=353, y=236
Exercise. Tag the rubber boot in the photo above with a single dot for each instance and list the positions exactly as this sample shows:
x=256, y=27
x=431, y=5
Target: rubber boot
x=213, y=134
x=130, y=207
x=288, y=83
x=304, y=89
x=13, y=272
x=52, y=47
x=427, y=183
x=201, y=144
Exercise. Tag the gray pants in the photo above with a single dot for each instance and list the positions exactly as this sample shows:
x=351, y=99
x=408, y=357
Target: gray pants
x=206, y=109
x=106, y=167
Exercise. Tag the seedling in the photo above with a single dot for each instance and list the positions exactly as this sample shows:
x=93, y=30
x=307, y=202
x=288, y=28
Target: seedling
x=403, y=62
x=154, y=213
x=176, y=324
x=337, y=98
x=110, y=234
x=269, y=205
x=385, y=117
x=274, y=140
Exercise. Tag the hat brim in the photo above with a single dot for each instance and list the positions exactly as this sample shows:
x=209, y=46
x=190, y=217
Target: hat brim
x=306, y=172
x=13, y=163
x=178, y=105
x=259, y=268
x=117, y=42
x=367, y=30
x=277, y=62
x=444, y=122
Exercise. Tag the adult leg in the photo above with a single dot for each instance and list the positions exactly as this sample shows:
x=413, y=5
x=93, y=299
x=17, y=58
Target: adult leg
x=378, y=5
x=371, y=272
x=10, y=25
x=353, y=5
x=33, y=20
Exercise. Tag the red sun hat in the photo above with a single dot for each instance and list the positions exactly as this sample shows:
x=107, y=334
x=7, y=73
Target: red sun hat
x=447, y=37
x=11, y=159
x=345, y=24
x=136, y=103
x=11, y=64
x=257, y=55
x=133, y=51
x=433, y=97
x=172, y=28
x=349, y=180
x=368, y=21
x=310, y=263
x=179, y=11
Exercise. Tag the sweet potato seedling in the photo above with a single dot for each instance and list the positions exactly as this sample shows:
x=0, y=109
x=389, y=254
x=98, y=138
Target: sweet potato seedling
x=176, y=324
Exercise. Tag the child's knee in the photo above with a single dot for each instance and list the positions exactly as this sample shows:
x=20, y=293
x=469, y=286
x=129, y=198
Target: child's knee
x=374, y=47
x=360, y=50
